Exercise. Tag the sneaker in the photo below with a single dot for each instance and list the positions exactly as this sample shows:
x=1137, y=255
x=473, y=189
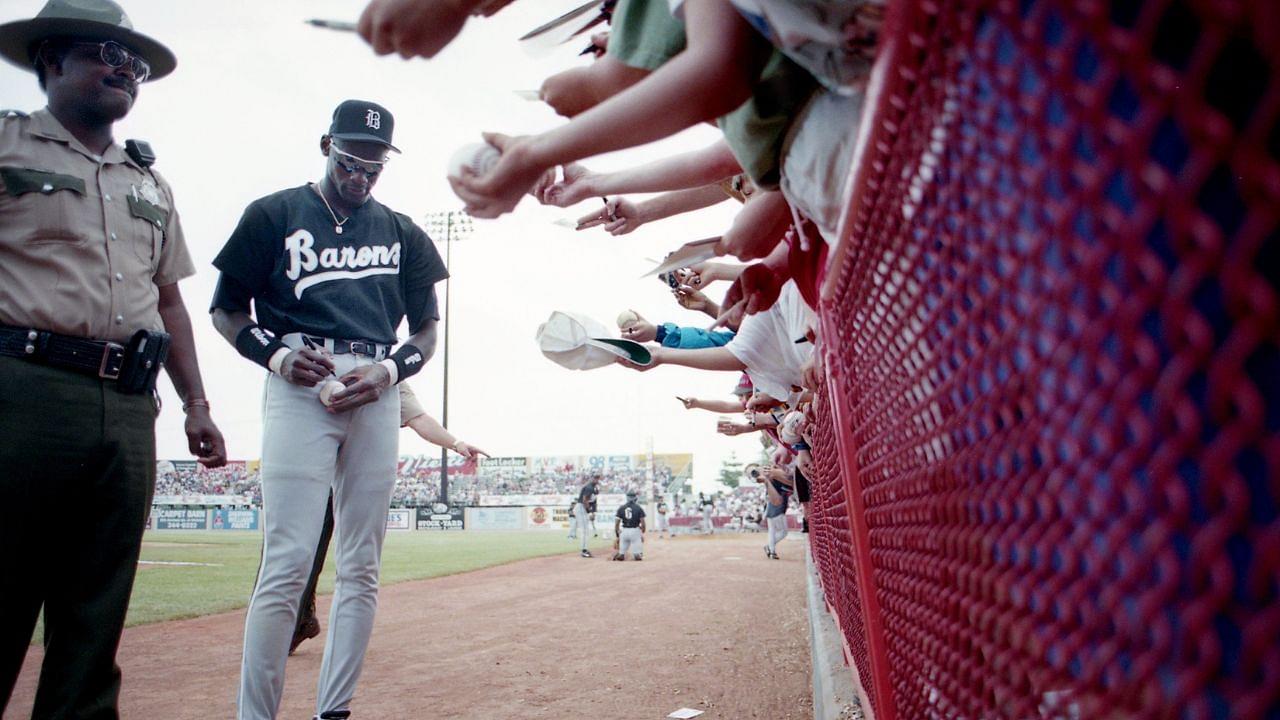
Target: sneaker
x=586, y=553
x=308, y=629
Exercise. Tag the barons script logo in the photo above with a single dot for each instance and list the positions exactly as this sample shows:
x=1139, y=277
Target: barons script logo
x=335, y=263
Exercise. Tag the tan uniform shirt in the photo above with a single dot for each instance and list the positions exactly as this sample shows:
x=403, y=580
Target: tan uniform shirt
x=410, y=408
x=85, y=241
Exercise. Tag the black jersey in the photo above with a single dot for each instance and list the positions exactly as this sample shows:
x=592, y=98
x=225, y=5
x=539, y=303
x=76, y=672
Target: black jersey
x=630, y=514
x=587, y=496
x=305, y=277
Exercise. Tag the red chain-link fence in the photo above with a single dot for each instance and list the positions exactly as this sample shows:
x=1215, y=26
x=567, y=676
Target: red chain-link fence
x=1048, y=451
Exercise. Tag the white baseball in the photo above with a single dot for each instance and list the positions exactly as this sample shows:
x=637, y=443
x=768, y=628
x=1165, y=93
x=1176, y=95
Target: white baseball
x=328, y=389
x=480, y=157
x=626, y=317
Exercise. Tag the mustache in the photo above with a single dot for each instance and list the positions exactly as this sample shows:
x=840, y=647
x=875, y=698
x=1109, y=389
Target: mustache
x=129, y=86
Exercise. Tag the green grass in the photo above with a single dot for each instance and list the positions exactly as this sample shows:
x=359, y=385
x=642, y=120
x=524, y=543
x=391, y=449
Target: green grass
x=171, y=592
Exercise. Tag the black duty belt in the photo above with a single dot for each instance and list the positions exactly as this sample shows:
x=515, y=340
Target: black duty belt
x=133, y=365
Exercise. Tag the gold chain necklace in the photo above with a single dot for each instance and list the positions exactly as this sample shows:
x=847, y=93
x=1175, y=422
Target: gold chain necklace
x=337, y=224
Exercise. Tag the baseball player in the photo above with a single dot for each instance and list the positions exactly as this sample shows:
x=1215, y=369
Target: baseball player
x=664, y=526
x=586, y=498
x=628, y=527
x=329, y=273
x=707, y=505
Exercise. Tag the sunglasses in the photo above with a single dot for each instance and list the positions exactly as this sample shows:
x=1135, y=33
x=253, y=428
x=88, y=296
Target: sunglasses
x=114, y=55
x=351, y=163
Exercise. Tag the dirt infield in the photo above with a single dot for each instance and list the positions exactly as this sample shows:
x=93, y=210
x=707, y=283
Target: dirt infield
x=709, y=624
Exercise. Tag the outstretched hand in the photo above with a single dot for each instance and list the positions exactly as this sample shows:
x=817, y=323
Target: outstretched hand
x=573, y=189
x=412, y=28
x=500, y=190
x=619, y=216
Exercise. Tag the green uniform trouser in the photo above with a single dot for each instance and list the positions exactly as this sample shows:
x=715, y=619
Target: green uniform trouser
x=77, y=472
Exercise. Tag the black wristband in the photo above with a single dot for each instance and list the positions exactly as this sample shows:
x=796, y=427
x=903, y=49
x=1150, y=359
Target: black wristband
x=408, y=360
x=256, y=344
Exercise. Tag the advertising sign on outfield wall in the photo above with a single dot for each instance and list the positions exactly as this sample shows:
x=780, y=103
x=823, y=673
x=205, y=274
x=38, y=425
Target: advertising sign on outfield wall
x=166, y=518
x=496, y=518
x=546, y=517
x=400, y=519
x=440, y=517
x=235, y=520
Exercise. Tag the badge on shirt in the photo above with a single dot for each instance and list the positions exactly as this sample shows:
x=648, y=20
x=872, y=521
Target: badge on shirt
x=148, y=191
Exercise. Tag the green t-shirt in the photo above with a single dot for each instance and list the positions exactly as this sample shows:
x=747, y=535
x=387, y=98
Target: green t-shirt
x=644, y=34
x=757, y=129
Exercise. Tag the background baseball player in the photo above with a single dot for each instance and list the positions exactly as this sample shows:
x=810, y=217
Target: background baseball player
x=330, y=274
x=586, y=498
x=592, y=506
x=628, y=527
x=707, y=506
x=573, y=519
x=664, y=526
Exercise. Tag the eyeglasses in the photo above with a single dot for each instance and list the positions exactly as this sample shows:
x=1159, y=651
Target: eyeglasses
x=114, y=55
x=351, y=163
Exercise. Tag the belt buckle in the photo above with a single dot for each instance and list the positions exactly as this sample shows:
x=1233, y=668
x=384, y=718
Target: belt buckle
x=104, y=371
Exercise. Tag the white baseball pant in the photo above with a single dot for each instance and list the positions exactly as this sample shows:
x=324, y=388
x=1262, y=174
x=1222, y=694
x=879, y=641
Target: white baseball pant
x=708, y=525
x=305, y=451
x=631, y=540
x=663, y=524
x=582, y=522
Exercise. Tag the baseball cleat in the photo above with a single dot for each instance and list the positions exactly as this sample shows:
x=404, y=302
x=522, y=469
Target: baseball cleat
x=639, y=558
x=310, y=628
x=619, y=557
x=586, y=553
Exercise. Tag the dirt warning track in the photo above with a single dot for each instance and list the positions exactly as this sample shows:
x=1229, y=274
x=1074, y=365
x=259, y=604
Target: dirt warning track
x=706, y=623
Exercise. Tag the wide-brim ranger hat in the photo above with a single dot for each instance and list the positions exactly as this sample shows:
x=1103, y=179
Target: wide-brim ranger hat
x=363, y=121
x=83, y=19
x=580, y=343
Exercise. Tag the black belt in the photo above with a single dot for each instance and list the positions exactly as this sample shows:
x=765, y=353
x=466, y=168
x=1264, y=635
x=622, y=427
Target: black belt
x=100, y=358
x=132, y=366
x=347, y=347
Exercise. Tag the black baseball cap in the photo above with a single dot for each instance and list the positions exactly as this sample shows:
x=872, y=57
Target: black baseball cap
x=363, y=121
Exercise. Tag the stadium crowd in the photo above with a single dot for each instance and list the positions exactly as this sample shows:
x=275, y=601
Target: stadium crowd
x=416, y=483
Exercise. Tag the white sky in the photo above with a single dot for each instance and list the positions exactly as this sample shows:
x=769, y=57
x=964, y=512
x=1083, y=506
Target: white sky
x=241, y=117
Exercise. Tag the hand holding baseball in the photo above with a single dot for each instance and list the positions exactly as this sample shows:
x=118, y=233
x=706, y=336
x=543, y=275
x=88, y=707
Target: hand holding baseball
x=364, y=385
